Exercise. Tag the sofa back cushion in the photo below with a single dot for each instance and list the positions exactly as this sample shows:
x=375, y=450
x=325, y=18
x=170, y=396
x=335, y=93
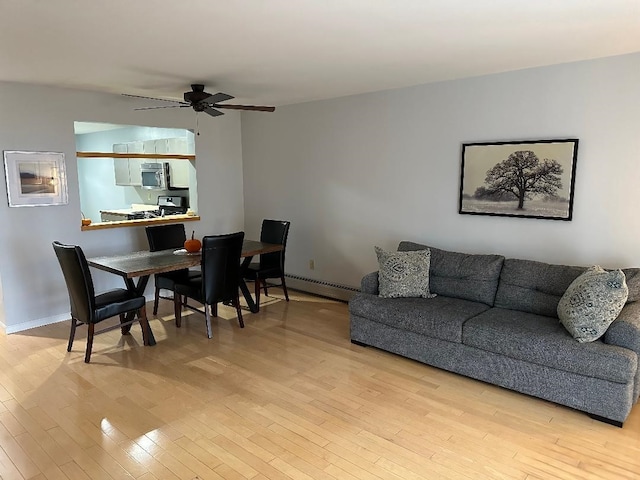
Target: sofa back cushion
x=534, y=287
x=461, y=275
x=537, y=287
x=632, y=276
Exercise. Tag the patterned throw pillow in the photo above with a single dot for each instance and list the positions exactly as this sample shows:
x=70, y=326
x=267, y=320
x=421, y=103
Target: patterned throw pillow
x=592, y=302
x=404, y=274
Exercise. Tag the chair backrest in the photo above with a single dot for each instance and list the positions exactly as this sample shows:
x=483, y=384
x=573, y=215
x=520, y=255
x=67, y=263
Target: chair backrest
x=78, y=279
x=274, y=231
x=221, y=267
x=164, y=237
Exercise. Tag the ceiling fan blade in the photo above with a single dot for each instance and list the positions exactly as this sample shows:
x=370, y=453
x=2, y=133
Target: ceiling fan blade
x=217, y=97
x=163, y=106
x=256, y=108
x=152, y=98
x=213, y=112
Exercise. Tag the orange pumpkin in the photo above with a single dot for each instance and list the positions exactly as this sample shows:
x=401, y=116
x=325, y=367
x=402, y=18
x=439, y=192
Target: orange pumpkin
x=192, y=245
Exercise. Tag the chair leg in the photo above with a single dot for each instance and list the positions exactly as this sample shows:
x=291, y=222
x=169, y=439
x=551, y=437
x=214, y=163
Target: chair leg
x=144, y=324
x=155, y=301
x=238, y=311
x=284, y=288
x=72, y=334
x=256, y=287
x=264, y=285
x=214, y=309
x=207, y=319
x=87, y=354
x=177, y=309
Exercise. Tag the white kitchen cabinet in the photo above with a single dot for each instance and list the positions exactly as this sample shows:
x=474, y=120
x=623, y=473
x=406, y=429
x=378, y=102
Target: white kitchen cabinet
x=121, y=165
x=121, y=170
x=179, y=168
x=149, y=146
x=127, y=170
x=177, y=145
x=135, y=177
x=134, y=172
x=161, y=146
x=179, y=171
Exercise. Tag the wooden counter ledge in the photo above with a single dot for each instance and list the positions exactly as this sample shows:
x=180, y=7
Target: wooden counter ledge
x=141, y=223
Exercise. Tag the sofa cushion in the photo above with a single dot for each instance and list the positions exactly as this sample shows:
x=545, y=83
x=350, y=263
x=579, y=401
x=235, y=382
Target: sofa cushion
x=534, y=287
x=369, y=283
x=544, y=341
x=592, y=302
x=632, y=276
x=404, y=274
x=537, y=287
x=461, y=275
x=440, y=317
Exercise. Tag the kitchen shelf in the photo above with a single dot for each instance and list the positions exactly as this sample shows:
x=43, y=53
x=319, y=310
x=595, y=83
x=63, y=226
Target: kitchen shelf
x=179, y=156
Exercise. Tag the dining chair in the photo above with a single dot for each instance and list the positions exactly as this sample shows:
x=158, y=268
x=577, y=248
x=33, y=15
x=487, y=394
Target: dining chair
x=165, y=237
x=270, y=265
x=220, y=280
x=87, y=308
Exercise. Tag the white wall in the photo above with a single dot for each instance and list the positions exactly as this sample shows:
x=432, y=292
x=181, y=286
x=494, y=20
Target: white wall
x=382, y=167
x=41, y=119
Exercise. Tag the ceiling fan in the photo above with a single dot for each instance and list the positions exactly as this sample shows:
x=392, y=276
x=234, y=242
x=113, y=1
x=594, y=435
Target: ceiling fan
x=202, y=101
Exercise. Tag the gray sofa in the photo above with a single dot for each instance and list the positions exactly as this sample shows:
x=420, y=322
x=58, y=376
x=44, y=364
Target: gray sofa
x=494, y=319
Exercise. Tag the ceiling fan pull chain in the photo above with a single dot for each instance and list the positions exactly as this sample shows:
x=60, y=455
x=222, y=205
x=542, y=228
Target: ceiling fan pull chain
x=197, y=124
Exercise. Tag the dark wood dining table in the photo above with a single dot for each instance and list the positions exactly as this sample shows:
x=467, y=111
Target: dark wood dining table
x=143, y=264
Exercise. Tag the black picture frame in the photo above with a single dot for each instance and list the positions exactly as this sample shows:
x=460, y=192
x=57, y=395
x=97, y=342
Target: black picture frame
x=526, y=179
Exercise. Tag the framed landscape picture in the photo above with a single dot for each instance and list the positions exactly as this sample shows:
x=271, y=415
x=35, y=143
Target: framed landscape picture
x=532, y=179
x=35, y=178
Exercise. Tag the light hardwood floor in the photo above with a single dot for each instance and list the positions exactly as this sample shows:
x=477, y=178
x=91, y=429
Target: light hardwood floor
x=287, y=397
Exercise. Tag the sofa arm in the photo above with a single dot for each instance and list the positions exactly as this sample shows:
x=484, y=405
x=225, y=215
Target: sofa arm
x=369, y=283
x=625, y=330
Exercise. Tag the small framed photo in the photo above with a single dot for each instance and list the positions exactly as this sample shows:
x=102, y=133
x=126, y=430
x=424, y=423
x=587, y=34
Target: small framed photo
x=35, y=178
x=531, y=179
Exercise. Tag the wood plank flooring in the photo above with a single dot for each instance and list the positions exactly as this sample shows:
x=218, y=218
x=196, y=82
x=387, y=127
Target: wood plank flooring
x=287, y=397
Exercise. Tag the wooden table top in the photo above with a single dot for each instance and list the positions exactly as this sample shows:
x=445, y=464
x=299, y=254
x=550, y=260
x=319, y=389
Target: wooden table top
x=137, y=264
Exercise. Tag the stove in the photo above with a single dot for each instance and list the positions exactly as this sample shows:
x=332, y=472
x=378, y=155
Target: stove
x=172, y=205
x=167, y=205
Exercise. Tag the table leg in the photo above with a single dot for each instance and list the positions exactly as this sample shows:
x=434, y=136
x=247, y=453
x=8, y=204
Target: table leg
x=245, y=290
x=139, y=290
x=247, y=296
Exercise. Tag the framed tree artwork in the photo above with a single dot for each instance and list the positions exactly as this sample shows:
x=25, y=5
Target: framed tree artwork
x=531, y=179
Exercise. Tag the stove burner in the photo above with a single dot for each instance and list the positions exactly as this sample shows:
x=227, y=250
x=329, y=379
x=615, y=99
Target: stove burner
x=164, y=211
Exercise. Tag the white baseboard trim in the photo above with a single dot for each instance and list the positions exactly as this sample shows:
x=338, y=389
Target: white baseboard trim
x=20, y=327
x=40, y=322
x=318, y=287
x=309, y=285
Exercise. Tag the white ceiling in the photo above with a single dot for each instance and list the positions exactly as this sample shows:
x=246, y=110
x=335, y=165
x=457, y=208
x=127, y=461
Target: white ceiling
x=277, y=52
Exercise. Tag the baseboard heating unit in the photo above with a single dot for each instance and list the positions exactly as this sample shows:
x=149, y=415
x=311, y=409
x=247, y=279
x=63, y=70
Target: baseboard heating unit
x=318, y=287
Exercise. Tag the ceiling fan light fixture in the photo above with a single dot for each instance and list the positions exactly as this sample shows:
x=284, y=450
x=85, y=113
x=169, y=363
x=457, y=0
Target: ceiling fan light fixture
x=202, y=101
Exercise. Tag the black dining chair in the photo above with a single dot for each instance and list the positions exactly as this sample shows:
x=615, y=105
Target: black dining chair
x=165, y=237
x=87, y=308
x=271, y=265
x=219, y=282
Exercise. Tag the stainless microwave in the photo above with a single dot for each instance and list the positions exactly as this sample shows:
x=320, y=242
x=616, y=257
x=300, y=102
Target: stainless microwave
x=156, y=175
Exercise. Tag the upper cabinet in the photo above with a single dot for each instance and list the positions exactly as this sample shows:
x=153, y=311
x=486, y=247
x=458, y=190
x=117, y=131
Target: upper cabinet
x=127, y=170
x=121, y=165
x=179, y=173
